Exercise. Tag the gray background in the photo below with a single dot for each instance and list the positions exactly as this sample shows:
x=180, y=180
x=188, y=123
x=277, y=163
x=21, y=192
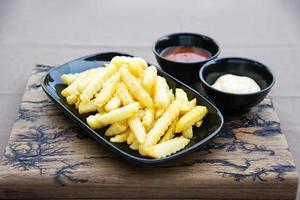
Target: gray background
x=53, y=32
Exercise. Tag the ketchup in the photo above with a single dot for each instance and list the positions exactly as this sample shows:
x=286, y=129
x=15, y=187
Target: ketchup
x=186, y=54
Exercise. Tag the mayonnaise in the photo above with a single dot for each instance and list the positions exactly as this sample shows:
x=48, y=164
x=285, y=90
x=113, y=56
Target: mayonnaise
x=236, y=84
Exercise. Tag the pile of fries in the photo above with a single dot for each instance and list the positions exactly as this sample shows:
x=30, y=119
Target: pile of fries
x=137, y=105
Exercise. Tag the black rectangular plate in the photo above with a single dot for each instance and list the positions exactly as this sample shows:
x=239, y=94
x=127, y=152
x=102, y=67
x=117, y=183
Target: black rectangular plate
x=53, y=86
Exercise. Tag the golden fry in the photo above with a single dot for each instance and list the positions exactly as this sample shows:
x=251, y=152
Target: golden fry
x=148, y=118
x=149, y=79
x=120, y=138
x=93, y=122
x=167, y=148
x=135, y=68
x=101, y=110
x=116, y=128
x=137, y=128
x=191, y=118
x=135, y=145
x=180, y=94
x=172, y=97
x=69, y=78
x=161, y=93
x=141, y=61
x=113, y=104
x=108, y=90
x=90, y=77
x=118, y=61
x=159, y=112
x=188, y=133
x=187, y=106
x=87, y=107
x=136, y=88
x=169, y=134
x=141, y=114
x=95, y=86
x=72, y=88
x=198, y=123
x=77, y=103
x=131, y=138
x=124, y=94
x=162, y=124
x=84, y=82
x=117, y=115
x=73, y=98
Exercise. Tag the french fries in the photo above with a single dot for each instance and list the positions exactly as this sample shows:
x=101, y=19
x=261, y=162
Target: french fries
x=171, y=96
x=90, y=77
x=188, y=133
x=113, y=104
x=198, y=123
x=167, y=148
x=149, y=79
x=87, y=107
x=95, y=86
x=101, y=110
x=116, y=128
x=141, y=61
x=148, y=118
x=69, y=78
x=180, y=94
x=72, y=99
x=190, y=118
x=115, y=115
x=136, y=106
x=72, y=88
x=137, y=128
x=135, y=88
x=169, y=134
x=162, y=124
x=92, y=121
x=124, y=94
x=120, y=138
x=131, y=138
x=135, y=145
x=77, y=103
x=135, y=68
x=187, y=106
x=159, y=112
x=118, y=61
x=161, y=93
x=107, y=91
x=141, y=114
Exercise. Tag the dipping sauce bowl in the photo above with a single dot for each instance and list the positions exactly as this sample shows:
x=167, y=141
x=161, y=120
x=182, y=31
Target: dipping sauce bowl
x=193, y=51
x=236, y=103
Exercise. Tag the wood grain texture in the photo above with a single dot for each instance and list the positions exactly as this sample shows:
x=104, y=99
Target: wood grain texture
x=49, y=157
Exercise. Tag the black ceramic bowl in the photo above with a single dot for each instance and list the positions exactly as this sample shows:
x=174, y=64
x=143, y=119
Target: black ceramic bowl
x=186, y=72
x=236, y=103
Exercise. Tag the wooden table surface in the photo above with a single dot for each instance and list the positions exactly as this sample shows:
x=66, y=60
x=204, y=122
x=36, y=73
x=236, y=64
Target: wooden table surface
x=54, y=32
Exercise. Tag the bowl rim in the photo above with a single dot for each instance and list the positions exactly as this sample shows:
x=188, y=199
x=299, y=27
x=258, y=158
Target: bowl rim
x=206, y=65
x=186, y=33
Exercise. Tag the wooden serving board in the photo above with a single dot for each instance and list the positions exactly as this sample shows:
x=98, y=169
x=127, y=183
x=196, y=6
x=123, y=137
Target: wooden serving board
x=49, y=157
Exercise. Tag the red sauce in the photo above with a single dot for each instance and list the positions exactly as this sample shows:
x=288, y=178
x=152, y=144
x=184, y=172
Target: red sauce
x=186, y=54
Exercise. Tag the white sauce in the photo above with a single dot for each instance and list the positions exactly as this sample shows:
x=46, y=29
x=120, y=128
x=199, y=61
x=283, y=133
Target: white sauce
x=236, y=84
